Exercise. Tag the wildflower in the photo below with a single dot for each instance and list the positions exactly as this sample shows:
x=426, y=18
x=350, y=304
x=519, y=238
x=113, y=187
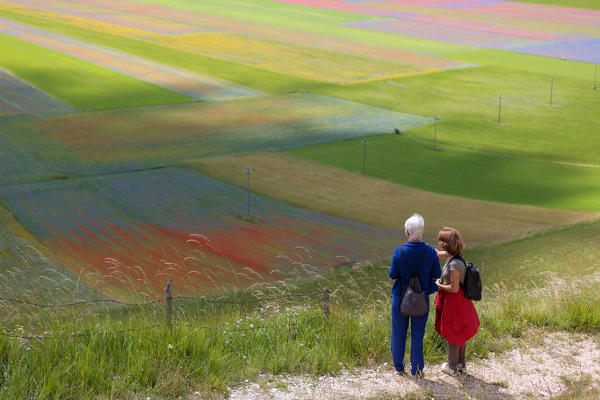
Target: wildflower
x=5, y=374
x=251, y=325
x=115, y=377
x=29, y=348
x=169, y=346
x=227, y=342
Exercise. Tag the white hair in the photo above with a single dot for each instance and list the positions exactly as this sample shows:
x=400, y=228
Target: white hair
x=415, y=226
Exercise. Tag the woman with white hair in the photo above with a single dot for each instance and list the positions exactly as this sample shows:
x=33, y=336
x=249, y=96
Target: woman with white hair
x=412, y=256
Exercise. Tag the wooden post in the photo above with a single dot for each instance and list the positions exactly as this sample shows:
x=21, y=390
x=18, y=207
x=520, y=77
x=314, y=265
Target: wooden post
x=168, y=302
x=325, y=304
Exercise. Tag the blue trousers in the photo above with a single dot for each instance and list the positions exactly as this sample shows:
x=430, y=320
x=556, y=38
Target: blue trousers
x=399, y=331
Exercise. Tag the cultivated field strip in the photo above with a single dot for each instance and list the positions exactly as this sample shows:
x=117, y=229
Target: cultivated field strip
x=292, y=52
x=78, y=83
x=526, y=28
x=175, y=223
x=184, y=82
x=348, y=195
x=205, y=22
x=118, y=140
x=128, y=14
x=19, y=97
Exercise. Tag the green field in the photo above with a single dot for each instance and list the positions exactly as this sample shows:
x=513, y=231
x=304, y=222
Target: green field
x=467, y=101
x=76, y=82
x=465, y=173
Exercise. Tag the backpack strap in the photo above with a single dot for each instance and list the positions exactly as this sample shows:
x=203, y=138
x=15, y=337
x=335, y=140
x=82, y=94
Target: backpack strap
x=459, y=257
x=420, y=261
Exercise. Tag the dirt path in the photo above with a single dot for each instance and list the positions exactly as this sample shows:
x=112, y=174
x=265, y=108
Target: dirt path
x=535, y=371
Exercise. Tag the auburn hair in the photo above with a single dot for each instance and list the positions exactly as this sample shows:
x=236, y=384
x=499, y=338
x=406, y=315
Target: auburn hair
x=451, y=241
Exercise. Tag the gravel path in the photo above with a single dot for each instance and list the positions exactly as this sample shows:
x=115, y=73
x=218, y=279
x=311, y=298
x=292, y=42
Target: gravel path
x=539, y=371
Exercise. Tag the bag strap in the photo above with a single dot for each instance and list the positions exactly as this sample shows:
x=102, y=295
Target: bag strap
x=420, y=261
x=459, y=257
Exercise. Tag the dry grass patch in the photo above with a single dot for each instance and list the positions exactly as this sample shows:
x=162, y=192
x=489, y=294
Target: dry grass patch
x=369, y=200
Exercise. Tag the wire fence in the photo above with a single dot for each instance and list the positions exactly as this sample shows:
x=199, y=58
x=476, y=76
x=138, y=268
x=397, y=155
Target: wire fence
x=167, y=302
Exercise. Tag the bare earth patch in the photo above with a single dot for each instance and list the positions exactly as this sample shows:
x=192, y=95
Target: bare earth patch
x=539, y=371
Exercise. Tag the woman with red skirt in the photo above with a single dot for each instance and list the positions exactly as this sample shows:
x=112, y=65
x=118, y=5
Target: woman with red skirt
x=455, y=316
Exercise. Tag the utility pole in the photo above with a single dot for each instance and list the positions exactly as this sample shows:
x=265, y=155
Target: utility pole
x=595, y=74
x=551, y=88
x=364, y=165
x=435, y=120
x=499, y=107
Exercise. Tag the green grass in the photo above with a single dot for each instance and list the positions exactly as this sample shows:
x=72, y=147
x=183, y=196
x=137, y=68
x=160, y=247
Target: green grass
x=450, y=170
x=588, y=4
x=467, y=102
x=529, y=63
x=252, y=77
x=78, y=83
x=294, y=336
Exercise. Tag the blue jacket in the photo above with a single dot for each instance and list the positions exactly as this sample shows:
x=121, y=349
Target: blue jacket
x=428, y=272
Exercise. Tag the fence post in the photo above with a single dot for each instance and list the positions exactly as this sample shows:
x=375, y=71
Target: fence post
x=325, y=304
x=168, y=302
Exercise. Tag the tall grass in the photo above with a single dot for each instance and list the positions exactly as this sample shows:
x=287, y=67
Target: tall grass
x=275, y=328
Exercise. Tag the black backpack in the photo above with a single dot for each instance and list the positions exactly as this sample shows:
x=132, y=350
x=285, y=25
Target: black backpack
x=414, y=299
x=472, y=284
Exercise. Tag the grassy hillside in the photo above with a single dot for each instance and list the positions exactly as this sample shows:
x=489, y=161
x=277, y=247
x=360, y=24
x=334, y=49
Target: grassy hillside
x=460, y=172
x=76, y=82
x=216, y=345
x=467, y=100
x=333, y=191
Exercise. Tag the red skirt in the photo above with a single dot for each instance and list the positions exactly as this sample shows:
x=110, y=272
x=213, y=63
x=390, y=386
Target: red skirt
x=455, y=317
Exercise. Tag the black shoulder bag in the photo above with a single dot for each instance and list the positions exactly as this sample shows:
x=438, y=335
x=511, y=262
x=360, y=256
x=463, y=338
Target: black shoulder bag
x=414, y=301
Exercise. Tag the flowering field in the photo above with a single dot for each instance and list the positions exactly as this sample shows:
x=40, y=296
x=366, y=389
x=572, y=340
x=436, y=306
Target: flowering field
x=75, y=82
x=180, y=81
x=140, y=229
x=120, y=140
x=306, y=62
x=281, y=50
x=526, y=28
